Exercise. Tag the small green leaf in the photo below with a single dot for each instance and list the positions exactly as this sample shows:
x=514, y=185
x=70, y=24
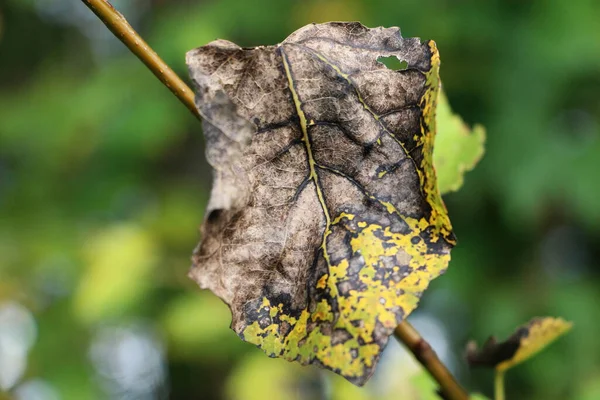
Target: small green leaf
x=457, y=148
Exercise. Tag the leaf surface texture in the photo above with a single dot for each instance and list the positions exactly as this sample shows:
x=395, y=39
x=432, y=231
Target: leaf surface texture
x=325, y=223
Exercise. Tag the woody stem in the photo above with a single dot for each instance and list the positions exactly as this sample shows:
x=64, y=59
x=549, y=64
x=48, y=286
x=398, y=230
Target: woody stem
x=450, y=389
x=119, y=26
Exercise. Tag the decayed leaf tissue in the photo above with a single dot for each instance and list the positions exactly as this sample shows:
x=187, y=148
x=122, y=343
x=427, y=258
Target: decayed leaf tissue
x=325, y=224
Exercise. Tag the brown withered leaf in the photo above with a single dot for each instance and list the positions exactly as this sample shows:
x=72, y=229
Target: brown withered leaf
x=527, y=340
x=325, y=224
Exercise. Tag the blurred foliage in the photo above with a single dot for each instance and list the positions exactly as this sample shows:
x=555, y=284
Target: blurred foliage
x=103, y=181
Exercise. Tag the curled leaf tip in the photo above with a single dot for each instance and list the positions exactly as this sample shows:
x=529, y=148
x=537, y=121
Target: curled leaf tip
x=523, y=344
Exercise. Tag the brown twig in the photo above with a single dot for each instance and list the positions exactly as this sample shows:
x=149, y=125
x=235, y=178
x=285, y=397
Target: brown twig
x=119, y=26
x=449, y=387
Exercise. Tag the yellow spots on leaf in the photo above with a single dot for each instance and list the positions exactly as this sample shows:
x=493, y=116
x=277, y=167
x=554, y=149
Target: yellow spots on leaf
x=422, y=224
x=288, y=319
x=388, y=293
x=271, y=343
x=266, y=338
x=252, y=333
x=388, y=206
x=385, y=295
x=298, y=333
x=265, y=303
x=367, y=244
x=368, y=353
x=338, y=273
x=416, y=281
x=323, y=312
x=322, y=283
x=273, y=312
x=340, y=354
x=439, y=217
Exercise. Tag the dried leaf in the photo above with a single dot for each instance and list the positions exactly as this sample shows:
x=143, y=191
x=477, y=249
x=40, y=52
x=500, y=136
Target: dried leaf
x=528, y=340
x=325, y=224
x=457, y=148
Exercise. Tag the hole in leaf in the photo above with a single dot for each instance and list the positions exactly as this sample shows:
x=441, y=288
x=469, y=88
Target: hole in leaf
x=393, y=63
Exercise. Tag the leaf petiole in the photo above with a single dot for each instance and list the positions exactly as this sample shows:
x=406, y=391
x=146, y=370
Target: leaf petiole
x=499, y=385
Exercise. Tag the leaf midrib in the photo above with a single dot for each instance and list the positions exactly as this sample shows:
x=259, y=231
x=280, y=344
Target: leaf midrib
x=308, y=148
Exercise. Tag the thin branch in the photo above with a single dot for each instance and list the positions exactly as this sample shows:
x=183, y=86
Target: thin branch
x=449, y=387
x=119, y=26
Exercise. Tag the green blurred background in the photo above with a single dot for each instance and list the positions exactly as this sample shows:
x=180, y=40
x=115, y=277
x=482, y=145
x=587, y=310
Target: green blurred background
x=103, y=184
